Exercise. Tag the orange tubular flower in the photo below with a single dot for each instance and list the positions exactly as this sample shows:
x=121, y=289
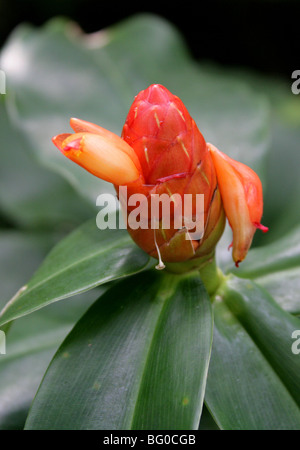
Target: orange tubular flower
x=241, y=192
x=161, y=151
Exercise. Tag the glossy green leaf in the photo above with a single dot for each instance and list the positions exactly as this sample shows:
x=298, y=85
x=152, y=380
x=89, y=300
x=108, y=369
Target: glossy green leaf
x=284, y=287
x=17, y=391
x=31, y=341
x=269, y=326
x=96, y=78
x=253, y=380
x=282, y=254
x=274, y=266
x=86, y=258
x=138, y=359
x=30, y=345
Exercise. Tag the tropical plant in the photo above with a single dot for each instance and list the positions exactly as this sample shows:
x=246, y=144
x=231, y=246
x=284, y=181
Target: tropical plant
x=98, y=338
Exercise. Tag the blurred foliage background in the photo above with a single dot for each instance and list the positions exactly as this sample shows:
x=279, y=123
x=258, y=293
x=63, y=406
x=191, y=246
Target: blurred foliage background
x=261, y=34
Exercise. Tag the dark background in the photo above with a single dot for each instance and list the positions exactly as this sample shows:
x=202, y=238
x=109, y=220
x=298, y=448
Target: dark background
x=261, y=34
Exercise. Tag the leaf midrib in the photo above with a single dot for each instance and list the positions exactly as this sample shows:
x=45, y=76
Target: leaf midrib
x=146, y=359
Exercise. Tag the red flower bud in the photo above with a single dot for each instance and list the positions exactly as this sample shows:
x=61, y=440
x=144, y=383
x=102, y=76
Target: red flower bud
x=161, y=151
x=163, y=135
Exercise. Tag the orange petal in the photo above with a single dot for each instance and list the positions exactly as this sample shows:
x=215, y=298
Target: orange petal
x=99, y=156
x=242, y=197
x=79, y=126
x=59, y=139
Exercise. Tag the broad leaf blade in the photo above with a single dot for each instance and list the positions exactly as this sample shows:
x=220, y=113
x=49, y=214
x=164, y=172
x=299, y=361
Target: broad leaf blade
x=30, y=345
x=86, y=258
x=253, y=380
x=281, y=254
x=32, y=341
x=284, y=287
x=276, y=267
x=270, y=328
x=176, y=369
x=145, y=343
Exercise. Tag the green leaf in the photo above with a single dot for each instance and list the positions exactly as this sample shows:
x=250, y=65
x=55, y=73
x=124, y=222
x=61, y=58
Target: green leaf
x=30, y=345
x=17, y=391
x=98, y=77
x=31, y=341
x=284, y=287
x=269, y=326
x=20, y=255
x=253, y=380
x=280, y=255
x=85, y=259
x=138, y=359
x=274, y=266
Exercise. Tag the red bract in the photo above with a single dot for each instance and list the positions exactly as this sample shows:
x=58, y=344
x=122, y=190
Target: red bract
x=162, y=151
x=163, y=135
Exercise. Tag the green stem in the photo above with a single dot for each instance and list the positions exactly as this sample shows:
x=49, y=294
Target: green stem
x=210, y=274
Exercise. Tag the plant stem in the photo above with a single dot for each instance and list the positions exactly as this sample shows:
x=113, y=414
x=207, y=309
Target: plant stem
x=210, y=274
